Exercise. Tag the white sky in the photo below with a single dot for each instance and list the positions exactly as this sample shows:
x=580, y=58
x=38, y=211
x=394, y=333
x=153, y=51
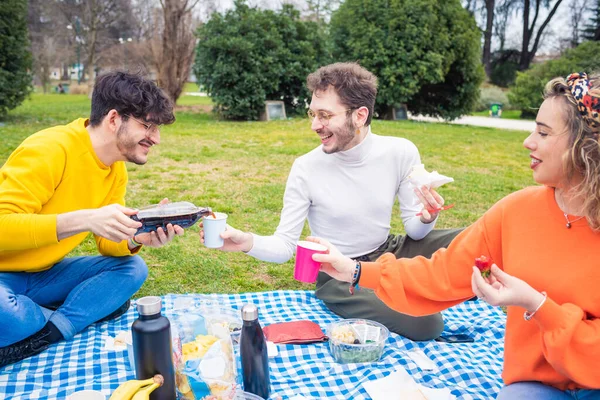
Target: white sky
x=559, y=28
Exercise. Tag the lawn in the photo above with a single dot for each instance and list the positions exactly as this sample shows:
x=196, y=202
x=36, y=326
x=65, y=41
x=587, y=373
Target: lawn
x=506, y=114
x=240, y=168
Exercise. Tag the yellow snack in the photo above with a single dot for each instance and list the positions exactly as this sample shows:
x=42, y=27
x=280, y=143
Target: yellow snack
x=197, y=348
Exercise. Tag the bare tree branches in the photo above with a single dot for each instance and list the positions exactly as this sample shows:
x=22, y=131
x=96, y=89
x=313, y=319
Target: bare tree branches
x=174, y=52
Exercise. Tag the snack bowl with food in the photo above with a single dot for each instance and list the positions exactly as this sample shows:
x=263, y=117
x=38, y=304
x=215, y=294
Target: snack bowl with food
x=356, y=340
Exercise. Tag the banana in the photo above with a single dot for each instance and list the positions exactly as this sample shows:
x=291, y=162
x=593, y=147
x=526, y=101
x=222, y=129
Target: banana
x=127, y=389
x=144, y=393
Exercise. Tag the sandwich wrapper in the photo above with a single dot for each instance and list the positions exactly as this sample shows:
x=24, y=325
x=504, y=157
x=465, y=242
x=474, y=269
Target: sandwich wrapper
x=295, y=332
x=420, y=177
x=399, y=385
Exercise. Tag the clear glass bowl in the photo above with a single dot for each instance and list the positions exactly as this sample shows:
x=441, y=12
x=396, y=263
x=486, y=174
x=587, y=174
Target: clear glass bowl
x=356, y=340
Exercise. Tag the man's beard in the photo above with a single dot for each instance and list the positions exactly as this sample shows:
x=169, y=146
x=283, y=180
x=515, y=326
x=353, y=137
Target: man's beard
x=343, y=137
x=127, y=146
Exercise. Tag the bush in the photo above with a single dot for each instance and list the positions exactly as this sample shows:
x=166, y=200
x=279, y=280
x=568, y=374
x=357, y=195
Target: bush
x=426, y=53
x=249, y=55
x=15, y=58
x=489, y=95
x=527, y=92
x=505, y=65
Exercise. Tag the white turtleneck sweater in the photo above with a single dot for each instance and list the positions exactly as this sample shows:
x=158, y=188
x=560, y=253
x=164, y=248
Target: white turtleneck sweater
x=348, y=198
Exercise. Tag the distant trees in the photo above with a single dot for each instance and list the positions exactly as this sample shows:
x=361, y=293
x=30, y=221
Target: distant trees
x=15, y=58
x=95, y=25
x=526, y=94
x=174, y=52
x=248, y=55
x=426, y=53
x=591, y=30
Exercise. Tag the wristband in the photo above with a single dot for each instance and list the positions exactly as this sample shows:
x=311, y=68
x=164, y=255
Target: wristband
x=355, y=278
x=134, y=243
x=528, y=315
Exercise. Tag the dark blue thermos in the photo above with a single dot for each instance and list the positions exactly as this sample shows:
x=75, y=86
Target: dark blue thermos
x=152, y=347
x=253, y=352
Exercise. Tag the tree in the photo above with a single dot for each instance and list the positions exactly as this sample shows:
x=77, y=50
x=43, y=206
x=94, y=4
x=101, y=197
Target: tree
x=175, y=54
x=526, y=94
x=320, y=10
x=486, y=58
x=591, y=30
x=425, y=53
x=504, y=10
x=529, y=48
x=248, y=55
x=15, y=58
x=95, y=25
x=577, y=10
x=49, y=40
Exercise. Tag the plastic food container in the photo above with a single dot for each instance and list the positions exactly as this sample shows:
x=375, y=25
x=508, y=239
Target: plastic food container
x=227, y=319
x=357, y=340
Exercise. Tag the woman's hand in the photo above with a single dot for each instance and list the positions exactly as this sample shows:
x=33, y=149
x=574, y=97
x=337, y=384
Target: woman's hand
x=502, y=289
x=334, y=264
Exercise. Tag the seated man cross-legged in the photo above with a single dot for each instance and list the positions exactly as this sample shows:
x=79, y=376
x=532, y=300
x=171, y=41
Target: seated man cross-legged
x=58, y=185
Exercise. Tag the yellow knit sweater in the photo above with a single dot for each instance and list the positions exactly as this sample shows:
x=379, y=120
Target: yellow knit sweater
x=52, y=172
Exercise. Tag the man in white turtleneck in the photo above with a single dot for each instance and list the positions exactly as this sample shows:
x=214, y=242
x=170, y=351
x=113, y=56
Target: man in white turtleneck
x=346, y=188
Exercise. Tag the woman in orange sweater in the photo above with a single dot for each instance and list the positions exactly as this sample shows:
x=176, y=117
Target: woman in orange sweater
x=544, y=243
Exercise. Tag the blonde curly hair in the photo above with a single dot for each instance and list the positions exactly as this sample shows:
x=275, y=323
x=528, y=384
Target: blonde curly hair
x=583, y=158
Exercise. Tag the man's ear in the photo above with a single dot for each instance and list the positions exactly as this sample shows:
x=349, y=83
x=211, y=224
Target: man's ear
x=361, y=116
x=112, y=121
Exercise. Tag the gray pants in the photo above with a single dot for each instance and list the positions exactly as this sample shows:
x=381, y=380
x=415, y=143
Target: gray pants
x=365, y=304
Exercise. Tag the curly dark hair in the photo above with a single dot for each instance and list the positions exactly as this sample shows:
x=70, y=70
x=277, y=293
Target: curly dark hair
x=130, y=94
x=355, y=86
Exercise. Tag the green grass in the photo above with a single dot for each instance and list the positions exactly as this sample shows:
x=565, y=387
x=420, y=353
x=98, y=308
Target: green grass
x=241, y=167
x=506, y=114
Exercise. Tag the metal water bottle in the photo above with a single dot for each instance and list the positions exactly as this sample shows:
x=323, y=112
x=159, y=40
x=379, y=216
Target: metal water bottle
x=253, y=353
x=152, y=347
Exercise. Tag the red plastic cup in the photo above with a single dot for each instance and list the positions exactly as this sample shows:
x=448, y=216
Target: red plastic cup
x=306, y=269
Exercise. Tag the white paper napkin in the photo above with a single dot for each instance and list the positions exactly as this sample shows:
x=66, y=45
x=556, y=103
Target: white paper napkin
x=119, y=342
x=421, y=359
x=399, y=385
x=419, y=176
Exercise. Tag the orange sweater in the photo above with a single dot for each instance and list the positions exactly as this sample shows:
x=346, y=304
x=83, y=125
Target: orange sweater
x=525, y=234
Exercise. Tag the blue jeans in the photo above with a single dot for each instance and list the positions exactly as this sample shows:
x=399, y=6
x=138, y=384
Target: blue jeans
x=539, y=391
x=89, y=288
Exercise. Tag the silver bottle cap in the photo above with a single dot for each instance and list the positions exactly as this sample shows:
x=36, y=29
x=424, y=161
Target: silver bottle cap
x=249, y=312
x=149, y=305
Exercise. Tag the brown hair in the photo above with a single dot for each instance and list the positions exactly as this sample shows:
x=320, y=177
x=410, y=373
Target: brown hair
x=356, y=86
x=583, y=157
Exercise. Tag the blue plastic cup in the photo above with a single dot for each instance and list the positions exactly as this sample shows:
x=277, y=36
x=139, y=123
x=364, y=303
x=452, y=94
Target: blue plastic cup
x=213, y=227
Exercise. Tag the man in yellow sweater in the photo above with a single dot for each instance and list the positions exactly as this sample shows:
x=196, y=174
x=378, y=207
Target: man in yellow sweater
x=57, y=186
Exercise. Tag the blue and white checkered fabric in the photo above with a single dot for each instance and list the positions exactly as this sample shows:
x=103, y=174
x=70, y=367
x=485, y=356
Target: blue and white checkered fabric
x=470, y=370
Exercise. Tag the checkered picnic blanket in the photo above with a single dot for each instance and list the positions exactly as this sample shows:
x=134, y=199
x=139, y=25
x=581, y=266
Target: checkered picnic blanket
x=471, y=370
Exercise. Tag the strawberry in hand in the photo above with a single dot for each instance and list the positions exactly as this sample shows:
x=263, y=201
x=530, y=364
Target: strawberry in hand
x=483, y=264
